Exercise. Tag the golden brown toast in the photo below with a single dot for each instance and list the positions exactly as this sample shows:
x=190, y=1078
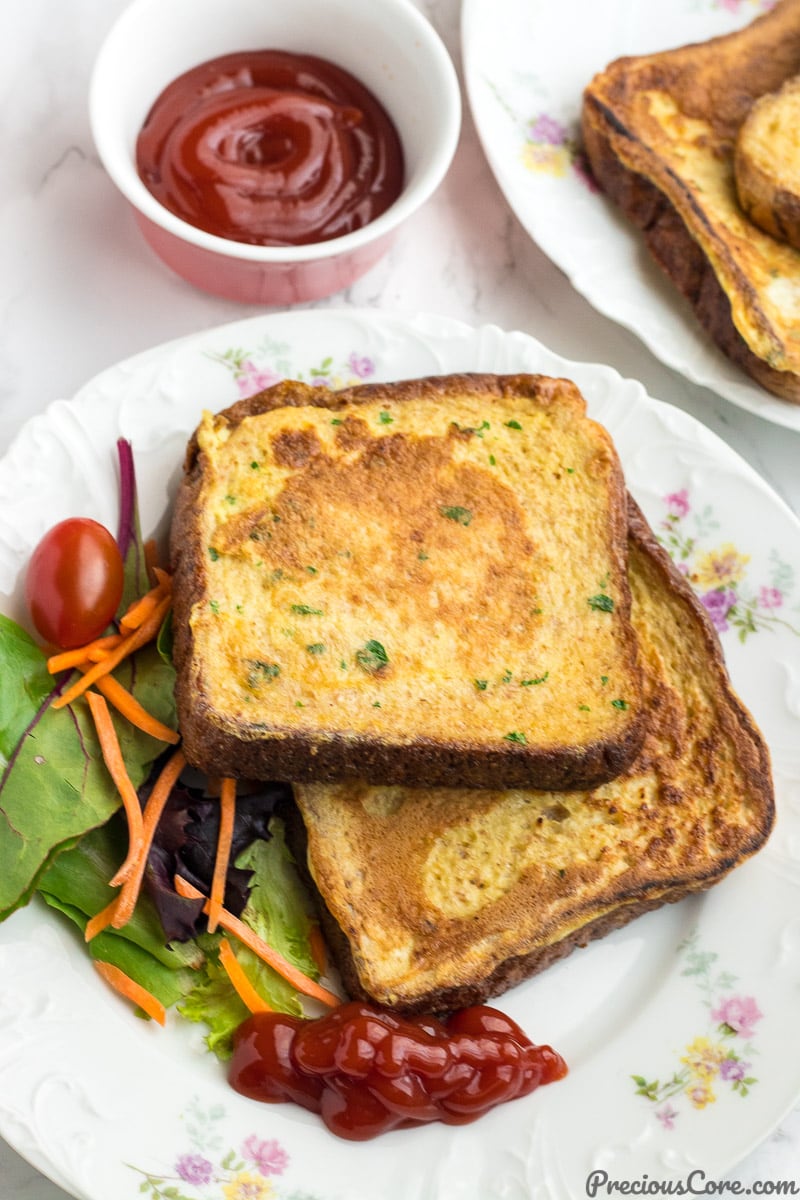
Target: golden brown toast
x=414, y=582
x=438, y=898
x=767, y=163
x=660, y=132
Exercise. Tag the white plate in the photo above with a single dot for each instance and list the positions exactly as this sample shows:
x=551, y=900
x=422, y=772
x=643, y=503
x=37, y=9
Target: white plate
x=526, y=64
x=103, y=1103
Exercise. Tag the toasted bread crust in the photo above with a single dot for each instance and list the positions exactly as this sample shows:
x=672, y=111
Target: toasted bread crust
x=217, y=745
x=697, y=802
x=699, y=236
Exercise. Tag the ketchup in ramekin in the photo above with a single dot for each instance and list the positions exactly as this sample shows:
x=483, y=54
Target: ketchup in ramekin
x=366, y=1070
x=271, y=148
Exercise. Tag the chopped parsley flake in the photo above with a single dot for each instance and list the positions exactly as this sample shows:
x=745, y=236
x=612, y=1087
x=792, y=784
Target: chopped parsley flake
x=316, y=648
x=311, y=570
x=622, y=704
x=518, y=738
x=376, y=703
x=604, y=680
x=481, y=684
x=213, y=554
x=570, y=470
x=299, y=704
x=422, y=556
x=214, y=606
x=260, y=672
x=492, y=461
x=584, y=708
x=303, y=610
x=601, y=603
x=337, y=421
x=385, y=418
x=533, y=682
x=506, y=676
x=513, y=425
x=230, y=499
x=477, y=430
x=372, y=657
x=343, y=665
x=254, y=465
x=456, y=513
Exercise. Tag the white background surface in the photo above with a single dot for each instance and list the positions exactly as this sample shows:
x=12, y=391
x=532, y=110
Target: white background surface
x=79, y=291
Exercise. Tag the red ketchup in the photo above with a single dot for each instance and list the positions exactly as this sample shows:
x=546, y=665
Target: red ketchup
x=366, y=1070
x=271, y=148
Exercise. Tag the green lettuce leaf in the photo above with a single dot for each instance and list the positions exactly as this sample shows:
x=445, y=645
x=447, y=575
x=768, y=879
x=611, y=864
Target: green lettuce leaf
x=167, y=983
x=214, y=1003
x=279, y=911
x=54, y=786
x=77, y=883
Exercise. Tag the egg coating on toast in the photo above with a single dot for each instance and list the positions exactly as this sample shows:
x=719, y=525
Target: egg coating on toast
x=426, y=578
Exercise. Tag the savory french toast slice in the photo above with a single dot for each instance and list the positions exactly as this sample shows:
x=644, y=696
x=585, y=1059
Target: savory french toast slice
x=660, y=132
x=406, y=583
x=436, y=898
x=767, y=163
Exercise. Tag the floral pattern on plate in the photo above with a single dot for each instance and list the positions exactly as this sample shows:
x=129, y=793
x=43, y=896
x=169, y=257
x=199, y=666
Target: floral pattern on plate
x=720, y=574
x=553, y=149
x=740, y=6
x=719, y=1056
x=270, y=362
x=210, y=1171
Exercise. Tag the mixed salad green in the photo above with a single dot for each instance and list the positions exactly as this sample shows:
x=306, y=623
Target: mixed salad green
x=63, y=835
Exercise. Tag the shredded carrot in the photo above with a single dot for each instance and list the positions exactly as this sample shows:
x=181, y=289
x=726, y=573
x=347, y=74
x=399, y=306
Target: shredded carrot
x=131, y=872
x=67, y=659
x=129, y=644
x=318, y=949
x=163, y=578
x=98, y=652
x=247, y=937
x=240, y=980
x=112, y=756
x=130, y=708
x=140, y=609
x=100, y=921
x=227, y=815
x=132, y=990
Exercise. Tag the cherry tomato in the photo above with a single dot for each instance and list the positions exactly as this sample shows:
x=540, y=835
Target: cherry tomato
x=74, y=582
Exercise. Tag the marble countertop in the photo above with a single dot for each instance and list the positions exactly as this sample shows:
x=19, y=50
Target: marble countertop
x=79, y=291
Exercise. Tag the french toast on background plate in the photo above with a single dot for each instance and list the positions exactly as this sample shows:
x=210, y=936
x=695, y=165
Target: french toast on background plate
x=413, y=583
x=660, y=132
x=433, y=899
x=767, y=163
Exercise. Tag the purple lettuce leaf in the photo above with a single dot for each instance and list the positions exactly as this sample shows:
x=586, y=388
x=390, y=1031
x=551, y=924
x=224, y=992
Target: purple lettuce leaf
x=185, y=843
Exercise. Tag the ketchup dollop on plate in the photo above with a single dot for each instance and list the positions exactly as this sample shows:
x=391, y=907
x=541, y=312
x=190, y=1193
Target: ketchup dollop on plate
x=367, y=1070
x=271, y=148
